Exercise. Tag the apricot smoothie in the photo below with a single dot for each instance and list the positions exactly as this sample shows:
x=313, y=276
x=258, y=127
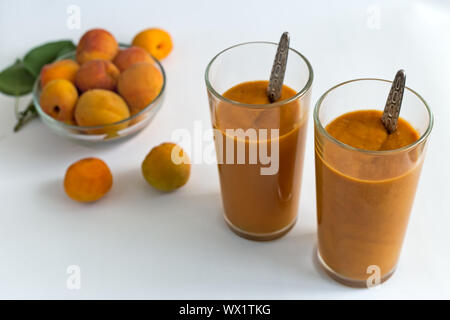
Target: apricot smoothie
x=366, y=178
x=363, y=214
x=257, y=205
x=259, y=144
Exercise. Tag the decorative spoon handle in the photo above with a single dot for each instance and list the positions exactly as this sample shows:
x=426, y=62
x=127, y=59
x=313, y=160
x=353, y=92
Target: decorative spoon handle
x=278, y=69
x=394, y=102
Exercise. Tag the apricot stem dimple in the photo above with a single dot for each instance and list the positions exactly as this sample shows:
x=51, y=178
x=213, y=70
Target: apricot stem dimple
x=56, y=109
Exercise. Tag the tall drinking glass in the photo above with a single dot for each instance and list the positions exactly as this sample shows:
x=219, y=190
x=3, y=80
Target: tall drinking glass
x=259, y=147
x=364, y=198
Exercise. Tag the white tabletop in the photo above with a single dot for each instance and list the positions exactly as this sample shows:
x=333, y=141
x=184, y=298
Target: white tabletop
x=138, y=243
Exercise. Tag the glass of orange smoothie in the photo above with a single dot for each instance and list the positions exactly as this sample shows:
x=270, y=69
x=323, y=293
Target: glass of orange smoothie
x=366, y=179
x=259, y=145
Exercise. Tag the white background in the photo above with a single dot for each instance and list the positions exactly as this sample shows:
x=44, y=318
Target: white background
x=138, y=243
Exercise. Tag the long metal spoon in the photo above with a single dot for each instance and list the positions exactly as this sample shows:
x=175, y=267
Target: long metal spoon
x=394, y=102
x=278, y=69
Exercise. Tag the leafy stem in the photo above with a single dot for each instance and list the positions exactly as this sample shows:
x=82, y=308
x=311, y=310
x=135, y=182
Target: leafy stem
x=24, y=116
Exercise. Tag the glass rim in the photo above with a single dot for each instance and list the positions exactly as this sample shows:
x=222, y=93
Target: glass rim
x=408, y=147
x=299, y=94
x=69, y=55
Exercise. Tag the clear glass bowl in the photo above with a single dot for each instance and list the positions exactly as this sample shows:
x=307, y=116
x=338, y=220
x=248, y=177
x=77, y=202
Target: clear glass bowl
x=114, y=131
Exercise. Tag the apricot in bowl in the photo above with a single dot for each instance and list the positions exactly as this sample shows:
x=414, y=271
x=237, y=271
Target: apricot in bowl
x=126, y=127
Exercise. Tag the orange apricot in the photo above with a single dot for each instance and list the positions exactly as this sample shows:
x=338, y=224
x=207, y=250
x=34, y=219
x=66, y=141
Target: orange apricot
x=127, y=57
x=166, y=167
x=88, y=180
x=62, y=69
x=58, y=99
x=100, y=107
x=156, y=41
x=96, y=44
x=139, y=85
x=97, y=74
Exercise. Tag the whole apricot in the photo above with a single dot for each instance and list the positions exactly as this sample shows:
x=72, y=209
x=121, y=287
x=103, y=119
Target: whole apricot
x=87, y=180
x=100, y=107
x=129, y=56
x=156, y=41
x=97, y=74
x=58, y=99
x=96, y=44
x=62, y=69
x=167, y=167
x=139, y=85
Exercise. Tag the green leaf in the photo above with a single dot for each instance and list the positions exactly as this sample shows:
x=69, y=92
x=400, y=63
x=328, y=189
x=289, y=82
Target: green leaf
x=39, y=56
x=65, y=50
x=16, y=80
